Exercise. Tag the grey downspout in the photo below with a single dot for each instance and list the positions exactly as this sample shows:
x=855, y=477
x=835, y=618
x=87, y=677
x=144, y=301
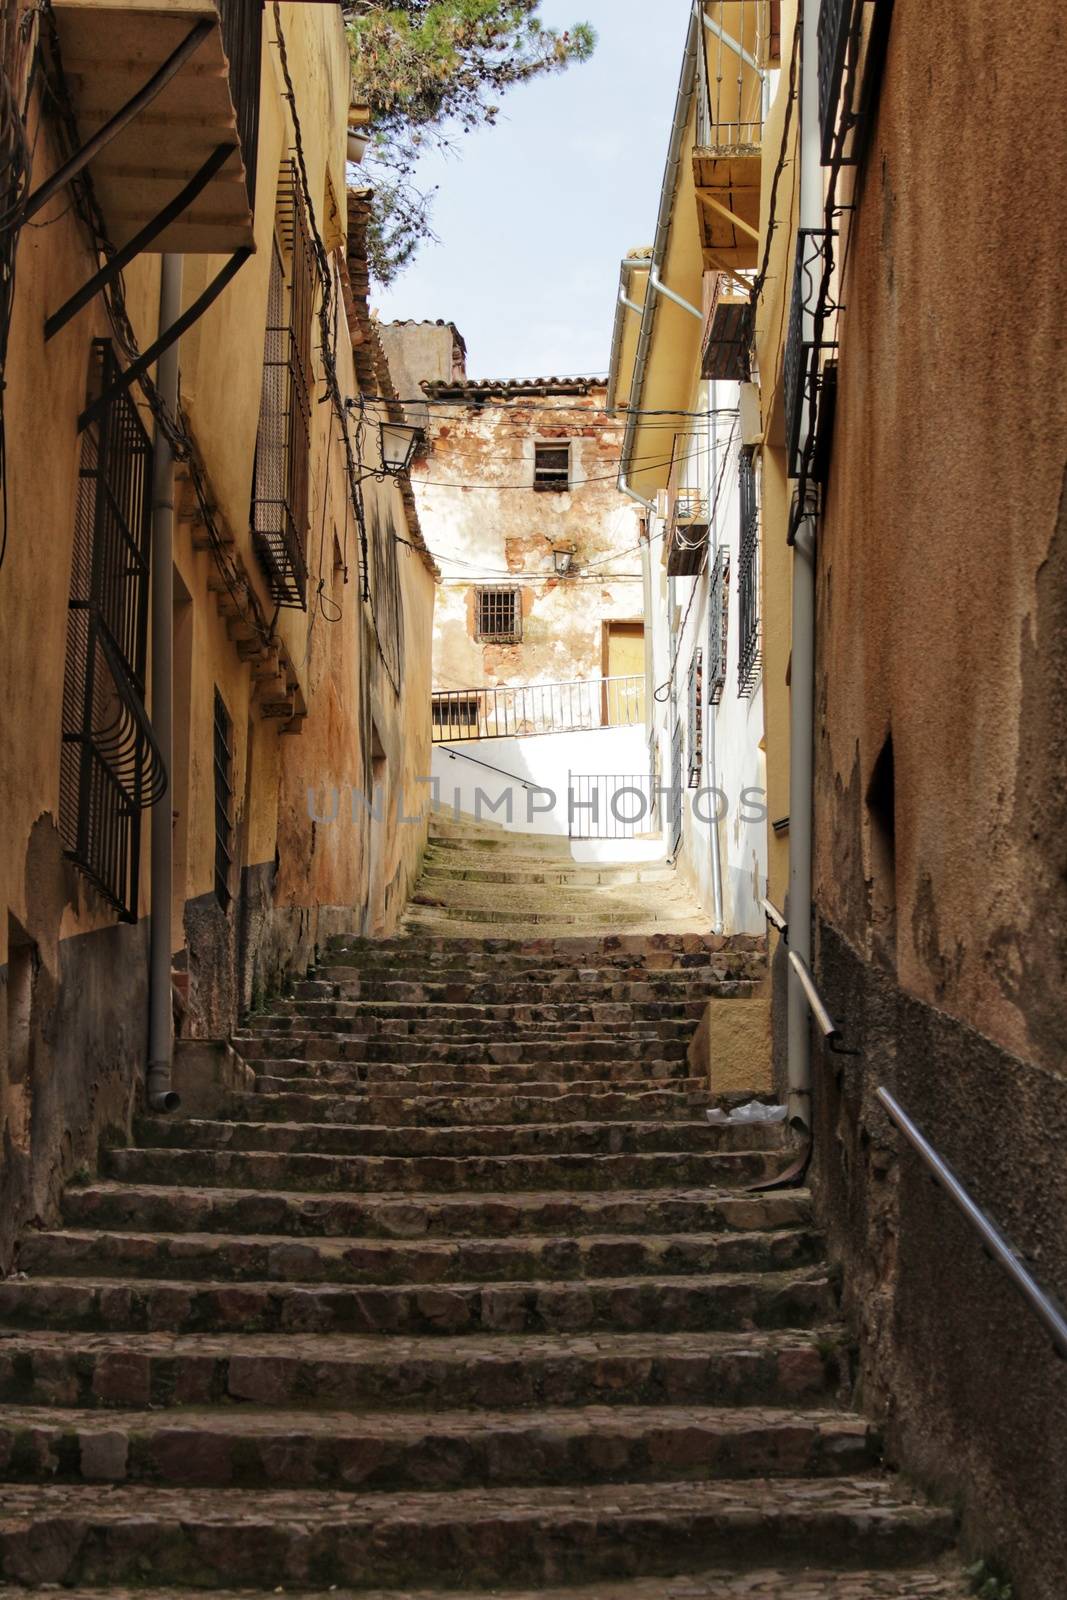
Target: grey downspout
x=802, y=669
x=713, y=761
x=161, y=1096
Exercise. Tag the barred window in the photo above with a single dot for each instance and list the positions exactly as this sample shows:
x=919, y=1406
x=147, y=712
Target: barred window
x=718, y=624
x=110, y=767
x=280, y=483
x=695, y=743
x=498, y=614
x=223, y=740
x=552, y=468
x=750, y=642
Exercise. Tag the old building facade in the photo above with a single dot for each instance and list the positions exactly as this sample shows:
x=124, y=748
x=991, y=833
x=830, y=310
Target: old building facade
x=292, y=585
x=913, y=517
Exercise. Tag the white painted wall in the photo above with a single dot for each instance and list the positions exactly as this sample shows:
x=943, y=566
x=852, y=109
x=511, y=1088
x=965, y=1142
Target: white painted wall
x=544, y=762
x=676, y=625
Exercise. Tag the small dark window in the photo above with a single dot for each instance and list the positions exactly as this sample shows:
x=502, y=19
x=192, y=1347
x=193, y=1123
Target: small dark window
x=455, y=716
x=718, y=624
x=552, y=468
x=499, y=615
x=695, y=742
x=223, y=803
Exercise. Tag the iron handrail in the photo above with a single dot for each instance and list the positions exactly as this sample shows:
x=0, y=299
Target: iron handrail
x=461, y=755
x=775, y=918
x=992, y=1238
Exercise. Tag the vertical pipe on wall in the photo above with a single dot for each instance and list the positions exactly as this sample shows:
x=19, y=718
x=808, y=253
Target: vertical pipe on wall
x=712, y=712
x=802, y=665
x=161, y=1096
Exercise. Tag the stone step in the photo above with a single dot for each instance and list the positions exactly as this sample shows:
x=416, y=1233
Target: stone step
x=193, y=1538
x=589, y=1016
x=423, y=921
x=535, y=987
x=571, y=951
x=276, y=1099
x=393, y=1077
x=536, y=902
x=99, y=1371
x=277, y=1169
x=696, y=1304
x=469, y=866
x=147, y=1208
x=463, y=1049
x=441, y=1450
x=456, y=1142
x=945, y=1583
x=218, y=1257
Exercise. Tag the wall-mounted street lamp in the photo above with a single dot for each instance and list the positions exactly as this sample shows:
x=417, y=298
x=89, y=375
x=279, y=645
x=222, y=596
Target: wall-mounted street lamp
x=563, y=559
x=399, y=443
x=358, y=140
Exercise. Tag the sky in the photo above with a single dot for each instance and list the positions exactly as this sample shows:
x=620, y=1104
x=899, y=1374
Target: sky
x=535, y=213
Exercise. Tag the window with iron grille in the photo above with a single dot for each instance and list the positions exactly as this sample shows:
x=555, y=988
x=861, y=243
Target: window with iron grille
x=695, y=742
x=750, y=656
x=718, y=624
x=110, y=767
x=223, y=741
x=499, y=615
x=552, y=468
x=280, y=484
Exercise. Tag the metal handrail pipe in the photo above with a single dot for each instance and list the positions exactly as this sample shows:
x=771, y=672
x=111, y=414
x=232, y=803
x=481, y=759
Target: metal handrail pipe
x=660, y=287
x=461, y=755
x=775, y=917
x=992, y=1238
x=827, y=1026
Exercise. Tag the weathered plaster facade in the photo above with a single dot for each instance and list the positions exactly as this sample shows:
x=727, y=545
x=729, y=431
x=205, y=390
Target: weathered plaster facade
x=319, y=698
x=489, y=527
x=940, y=762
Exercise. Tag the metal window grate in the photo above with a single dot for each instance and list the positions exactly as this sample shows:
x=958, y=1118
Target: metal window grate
x=695, y=740
x=499, y=615
x=750, y=644
x=110, y=767
x=283, y=443
x=552, y=468
x=242, y=39
x=223, y=761
x=718, y=624
x=800, y=372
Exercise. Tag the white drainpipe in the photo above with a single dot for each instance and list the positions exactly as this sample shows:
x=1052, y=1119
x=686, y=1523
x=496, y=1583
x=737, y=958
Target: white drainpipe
x=713, y=760
x=802, y=671
x=161, y=1096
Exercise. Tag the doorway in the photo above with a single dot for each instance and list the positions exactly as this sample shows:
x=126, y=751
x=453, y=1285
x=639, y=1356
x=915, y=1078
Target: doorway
x=623, y=665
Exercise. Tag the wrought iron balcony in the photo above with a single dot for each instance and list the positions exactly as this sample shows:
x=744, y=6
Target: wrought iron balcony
x=852, y=40
x=718, y=624
x=727, y=329
x=687, y=532
x=165, y=99
x=805, y=343
x=750, y=641
x=727, y=160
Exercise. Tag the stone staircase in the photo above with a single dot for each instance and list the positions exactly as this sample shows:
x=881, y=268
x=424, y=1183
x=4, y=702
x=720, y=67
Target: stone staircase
x=466, y=1298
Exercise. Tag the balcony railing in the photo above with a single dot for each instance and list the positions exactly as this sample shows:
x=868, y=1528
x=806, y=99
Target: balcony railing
x=804, y=345
x=852, y=40
x=509, y=711
x=718, y=624
x=242, y=40
x=729, y=134
x=727, y=337
x=750, y=642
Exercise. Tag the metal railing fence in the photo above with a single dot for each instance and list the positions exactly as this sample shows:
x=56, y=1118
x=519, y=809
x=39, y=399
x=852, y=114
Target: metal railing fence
x=516, y=710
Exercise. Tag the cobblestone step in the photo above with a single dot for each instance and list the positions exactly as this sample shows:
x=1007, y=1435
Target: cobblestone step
x=422, y=922
x=469, y=866
x=805, y=1583
x=784, y=1367
x=439, y=1450
x=533, y=987
x=279, y=1258
x=705, y=1304
x=430, y=1216
x=329, y=1018
x=279, y=1099
x=573, y=951
x=467, y=1049
x=457, y=1142
x=195, y=1538
x=272, y=1169
x=396, y=1077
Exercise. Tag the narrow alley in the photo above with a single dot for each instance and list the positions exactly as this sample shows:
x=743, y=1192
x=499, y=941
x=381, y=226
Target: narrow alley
x=533, y=800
